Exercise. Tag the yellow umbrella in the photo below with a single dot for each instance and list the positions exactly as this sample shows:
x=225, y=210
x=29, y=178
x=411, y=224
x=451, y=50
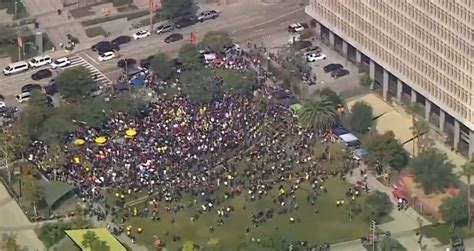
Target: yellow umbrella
x=79, y=142
x=131, y=132
x=100, y=140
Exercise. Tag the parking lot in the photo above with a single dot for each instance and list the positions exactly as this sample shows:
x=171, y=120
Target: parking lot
x=347, y=85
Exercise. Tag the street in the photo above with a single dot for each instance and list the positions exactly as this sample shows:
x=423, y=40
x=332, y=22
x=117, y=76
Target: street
x=256, y=25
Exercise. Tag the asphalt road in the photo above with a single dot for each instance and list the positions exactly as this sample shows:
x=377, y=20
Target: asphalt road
x=243, y=26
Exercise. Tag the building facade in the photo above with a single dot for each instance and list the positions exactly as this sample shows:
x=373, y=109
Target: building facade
x=421, y=49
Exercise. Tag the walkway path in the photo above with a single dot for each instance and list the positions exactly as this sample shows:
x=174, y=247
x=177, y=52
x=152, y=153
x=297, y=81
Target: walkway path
x=11, y=217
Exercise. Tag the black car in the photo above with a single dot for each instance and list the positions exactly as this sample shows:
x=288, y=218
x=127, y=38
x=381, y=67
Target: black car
x=339, y=73
x=104, y=46
x=121, y=40
x=45, y=73
x=145, y=63
x=173, y=37
x=185, y=22
x=332, y=67
x=30, y=87
x=122, y=63
x=299, y=45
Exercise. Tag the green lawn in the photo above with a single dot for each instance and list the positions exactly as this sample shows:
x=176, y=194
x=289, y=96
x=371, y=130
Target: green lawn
x=10, y=6
x=331, y=224
x=443, y=232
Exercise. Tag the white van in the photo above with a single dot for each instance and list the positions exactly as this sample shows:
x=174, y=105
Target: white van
x=23, y=97
x=15, y=68
x=40, y=61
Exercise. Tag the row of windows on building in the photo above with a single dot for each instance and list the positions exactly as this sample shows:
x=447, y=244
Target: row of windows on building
x=399, y=63
x=455, y=50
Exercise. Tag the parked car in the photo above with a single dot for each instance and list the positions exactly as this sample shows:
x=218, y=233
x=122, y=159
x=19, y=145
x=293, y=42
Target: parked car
x=297, y=27
x=122, y=63
x=173, y=38
x=23, y=97
x=339, y=73
x=164, y=28
x=313, y=57
x=185, y=22
x=105, y=46
x=141, y=34
x=45, y=73
x=40, y=61
x=332, y=67
x=106, y=56
x=60, y=62
x=207, y=15
x=121, y=40
x=30, y=87
x=312, y=49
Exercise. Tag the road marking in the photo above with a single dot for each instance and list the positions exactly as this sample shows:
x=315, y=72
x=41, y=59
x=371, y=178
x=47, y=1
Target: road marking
x=91, y=58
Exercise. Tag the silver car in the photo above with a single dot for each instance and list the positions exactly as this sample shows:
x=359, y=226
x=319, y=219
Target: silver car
x=207, y=15
x=164, y=28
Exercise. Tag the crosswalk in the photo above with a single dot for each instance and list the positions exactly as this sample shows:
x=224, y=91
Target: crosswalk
x=100, y=78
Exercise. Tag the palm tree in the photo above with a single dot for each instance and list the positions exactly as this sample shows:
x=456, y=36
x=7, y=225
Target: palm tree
x=413, y=109
x=420, y=127
x=89, y=238
x=468, y=171
x=31, y=190
x=318, y=113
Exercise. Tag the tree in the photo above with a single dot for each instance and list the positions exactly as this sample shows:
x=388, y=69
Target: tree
x=365, y=80
x=216, y=40
x=419, y=130
x=433, y=170
x=9, y=243
x=468, y=171
x=318, y=113
x=200, y=86
x=190, y=57
x=88, y=239
x=7, y=35
x=75, y=83
x=161, y=65
x=7, y=152
x=237, y=82
x=390, y=244
x=413, y=109
x=59, y=123
x=361, y=118
x=378, y=204
x=331, y=95
x=385, y=150
x=51, y=234
x=31, y=190
x=454, y=209
x=176, y=8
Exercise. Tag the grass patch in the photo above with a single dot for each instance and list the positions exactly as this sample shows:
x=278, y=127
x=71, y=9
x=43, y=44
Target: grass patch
x=129, y=16
x=96, y=31
x=146, y=22
x=443, y=232
x=121, y=2
x=10, y=6
x=233, y=232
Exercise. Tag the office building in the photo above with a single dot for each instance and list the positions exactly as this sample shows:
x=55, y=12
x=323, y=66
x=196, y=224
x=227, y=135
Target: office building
x=416, y=50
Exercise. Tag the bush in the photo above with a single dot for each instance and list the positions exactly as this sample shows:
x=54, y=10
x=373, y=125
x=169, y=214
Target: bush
x=51, y=234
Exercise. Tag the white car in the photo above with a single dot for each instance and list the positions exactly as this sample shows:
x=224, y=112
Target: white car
x=313, y=57
x=106, y=56
x=60, y=63
x=2, y=105
x=141, y=34
x=297, y=27
x=40, y=61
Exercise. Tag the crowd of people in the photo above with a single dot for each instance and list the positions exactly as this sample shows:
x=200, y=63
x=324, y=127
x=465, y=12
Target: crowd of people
x=181, y=147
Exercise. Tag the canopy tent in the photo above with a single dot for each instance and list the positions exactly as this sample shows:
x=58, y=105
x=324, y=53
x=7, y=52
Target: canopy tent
x=130, y=132
x=288, y=101
x=79, y=142
x=102, y=234
x=296, y=107
x=348, y=137
x=100, y=140
x=54, y=191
